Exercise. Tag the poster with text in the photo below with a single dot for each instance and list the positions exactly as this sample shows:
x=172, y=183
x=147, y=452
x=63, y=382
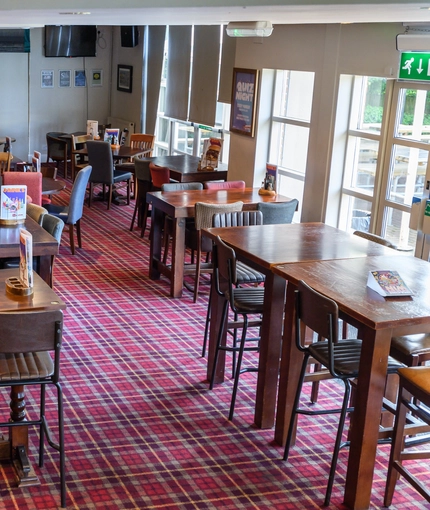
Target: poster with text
x=244, y=95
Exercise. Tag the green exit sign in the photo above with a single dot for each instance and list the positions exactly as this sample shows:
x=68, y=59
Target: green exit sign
x=414, y=66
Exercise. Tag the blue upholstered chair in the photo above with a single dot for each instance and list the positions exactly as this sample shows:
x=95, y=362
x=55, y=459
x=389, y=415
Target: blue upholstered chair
x=71, y=214
x=278, y=212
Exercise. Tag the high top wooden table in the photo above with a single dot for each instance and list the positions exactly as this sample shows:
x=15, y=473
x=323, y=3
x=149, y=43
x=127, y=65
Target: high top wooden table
x=378, y=319
x=180, y=205
x=44, y=245
x=43, y=298
x=264, y=247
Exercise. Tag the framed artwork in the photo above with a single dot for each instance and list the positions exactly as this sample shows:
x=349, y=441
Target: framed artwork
x=80, y=78
x=243, y=101
x=47, y=79
x=96, y=78
x=125, y=78
x=64, y=79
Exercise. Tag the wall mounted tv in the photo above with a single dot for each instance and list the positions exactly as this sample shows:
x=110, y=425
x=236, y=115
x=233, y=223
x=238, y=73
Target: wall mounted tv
x=70, y=40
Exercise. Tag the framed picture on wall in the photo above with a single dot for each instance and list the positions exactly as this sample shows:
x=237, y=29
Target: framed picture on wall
x=125, y=78
x=64, y=79
x=80, y=78
x=47, y=79
x=243, y=101
x=96, y=78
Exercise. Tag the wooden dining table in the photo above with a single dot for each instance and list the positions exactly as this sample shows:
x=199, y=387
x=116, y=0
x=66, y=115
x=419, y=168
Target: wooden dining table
x=184, y=168
x=52, y=186
x=43, y=298
x=179, y=205
x=44, y=245
x=377, y=319
x=264, y=247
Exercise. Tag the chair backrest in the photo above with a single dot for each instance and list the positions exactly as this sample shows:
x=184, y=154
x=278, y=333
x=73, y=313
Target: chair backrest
x=36, y=212
x=375, y=238
x=80, y=140
x=142, y=141
x=48, y=170
x=77, y=196
x=53, y=226
x=204, y=212
x=101, y=160
x=141, y=170
x=278, y=212
x=237, y=219
x=182, y=186
x=225, y=185
x=58, y=148
x=159, y=175
x=8, y=144
x=225, y=260
x=33, y=181
x=5, y=158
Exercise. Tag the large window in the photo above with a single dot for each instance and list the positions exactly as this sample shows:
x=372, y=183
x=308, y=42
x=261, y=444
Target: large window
x=289, y=139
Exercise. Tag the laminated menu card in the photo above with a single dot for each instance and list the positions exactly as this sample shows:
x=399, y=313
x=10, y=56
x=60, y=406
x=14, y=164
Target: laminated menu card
x=388, y=283
x=26, y=258
x=13, y=202
x=112, y=136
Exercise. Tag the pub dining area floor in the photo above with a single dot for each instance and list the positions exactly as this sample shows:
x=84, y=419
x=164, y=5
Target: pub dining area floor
x=142, y=428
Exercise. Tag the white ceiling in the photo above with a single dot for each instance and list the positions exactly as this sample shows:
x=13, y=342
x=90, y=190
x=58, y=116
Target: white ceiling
x=34, y=13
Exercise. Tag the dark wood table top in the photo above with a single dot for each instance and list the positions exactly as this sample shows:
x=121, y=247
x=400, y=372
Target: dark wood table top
x=180, y=204
x=52, y=186
x=269, y=245
x=345, y=281
x=43, y=298
x=43, y=243
x=183, y=168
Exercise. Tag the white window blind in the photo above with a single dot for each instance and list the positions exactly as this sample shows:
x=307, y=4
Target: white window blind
x=178, y=72
x=205, y=72
x=155, y=56
x=227, y=64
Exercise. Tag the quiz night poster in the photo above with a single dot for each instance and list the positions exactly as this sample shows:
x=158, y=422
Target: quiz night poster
x=243, y=101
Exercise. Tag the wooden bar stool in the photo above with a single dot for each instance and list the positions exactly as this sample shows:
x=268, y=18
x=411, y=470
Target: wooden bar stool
x=415, y=383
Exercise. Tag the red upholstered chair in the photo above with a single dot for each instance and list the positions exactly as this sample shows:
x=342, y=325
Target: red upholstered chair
x=225, y=185
x=159, y=175
x=33, y=181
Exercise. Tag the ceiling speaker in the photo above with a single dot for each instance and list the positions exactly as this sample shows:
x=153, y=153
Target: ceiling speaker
x=129, y=36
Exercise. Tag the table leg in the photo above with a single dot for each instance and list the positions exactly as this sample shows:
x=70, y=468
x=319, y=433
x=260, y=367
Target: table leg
x=366, y=417
x=155, y=245
x=214, y=327
x=291, y=362
x=178, y=258
x=45, y=263
x=270, y=350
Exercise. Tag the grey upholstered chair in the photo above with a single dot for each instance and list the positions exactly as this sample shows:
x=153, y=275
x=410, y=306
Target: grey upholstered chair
x=101, y=160
x=36, y=212
x=277, y=212
x=53, y=226
x=72, y=213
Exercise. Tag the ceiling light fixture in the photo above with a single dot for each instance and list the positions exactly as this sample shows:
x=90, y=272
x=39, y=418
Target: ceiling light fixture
x=249, y=29
x=79, y=13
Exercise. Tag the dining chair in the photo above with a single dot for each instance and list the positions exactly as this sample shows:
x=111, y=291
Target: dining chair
x=59, y=149
x=5, y=159
x=79, y=161
x=27, y=340
x=224, y=185
x=415, y=383
x=72, y=213
x=195, y=240
x=143, y=141
x=245, y=275
x=36, y=212
x=375, y=238
x=278, y=212
x=159, y=175
x=168, y=220
x=143, y=185
x=103, y=170
x=244, y=301
x=33, y=181
x=340, y=356
x=54, y=226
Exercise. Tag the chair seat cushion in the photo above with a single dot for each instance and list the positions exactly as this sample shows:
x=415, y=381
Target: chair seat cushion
x=30, y=365
x=59, y=211
x=248, y=299
x=246, y=274
x=346, y=357
x=411, y=344
x=120, y=175
x=416, y=378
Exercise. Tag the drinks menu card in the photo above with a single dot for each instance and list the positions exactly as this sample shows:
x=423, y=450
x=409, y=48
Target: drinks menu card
x=388, y=283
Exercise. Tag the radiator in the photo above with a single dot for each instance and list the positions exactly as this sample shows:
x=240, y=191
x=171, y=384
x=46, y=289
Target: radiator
x=122, y=124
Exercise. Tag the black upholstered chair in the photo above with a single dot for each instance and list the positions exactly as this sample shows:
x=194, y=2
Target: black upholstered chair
x=103, y=170
x=340, y=357
x=242, y=301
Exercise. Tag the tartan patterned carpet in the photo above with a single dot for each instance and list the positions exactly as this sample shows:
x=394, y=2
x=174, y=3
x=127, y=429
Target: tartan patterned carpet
x=143, y=431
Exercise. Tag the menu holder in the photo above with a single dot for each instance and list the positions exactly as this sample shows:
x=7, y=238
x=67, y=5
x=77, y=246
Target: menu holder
x=13, y=205
x=388, y=283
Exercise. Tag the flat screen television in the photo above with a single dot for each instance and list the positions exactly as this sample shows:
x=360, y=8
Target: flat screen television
x=70, y=40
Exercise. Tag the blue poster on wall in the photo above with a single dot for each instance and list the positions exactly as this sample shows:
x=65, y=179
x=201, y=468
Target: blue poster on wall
x=243, y=101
